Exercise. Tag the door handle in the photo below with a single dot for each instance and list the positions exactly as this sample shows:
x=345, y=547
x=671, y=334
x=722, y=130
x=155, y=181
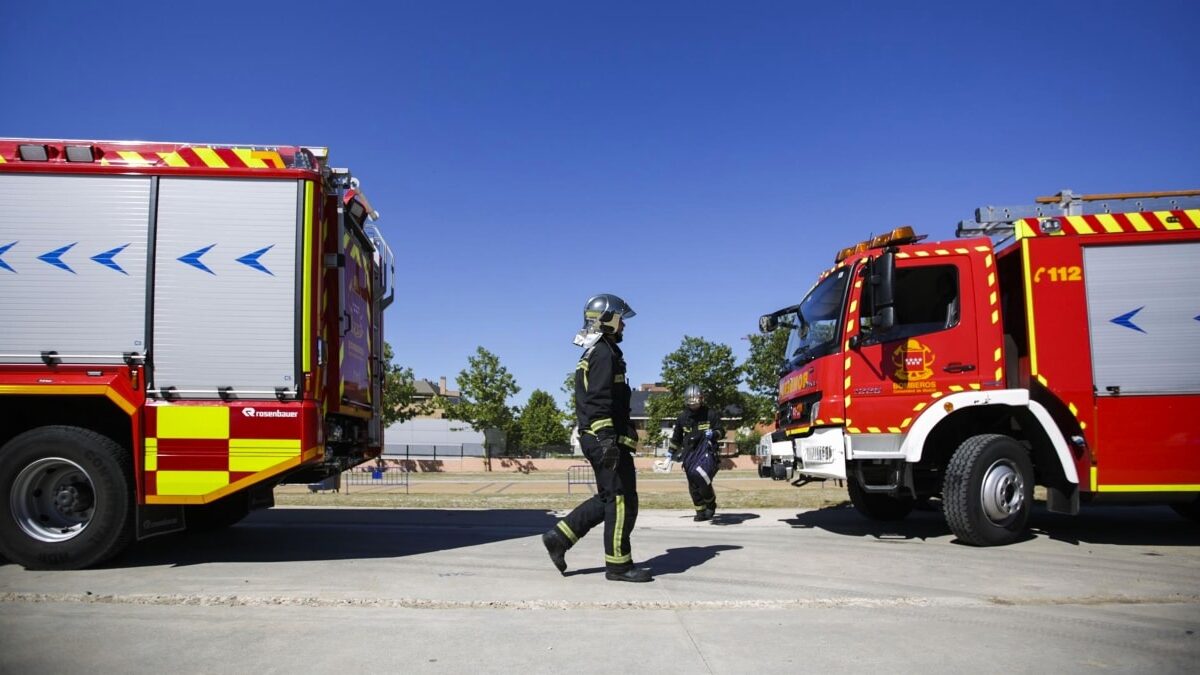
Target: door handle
x=957, y=367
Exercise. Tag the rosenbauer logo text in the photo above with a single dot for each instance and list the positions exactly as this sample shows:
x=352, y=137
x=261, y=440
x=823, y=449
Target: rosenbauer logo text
x=251, y=412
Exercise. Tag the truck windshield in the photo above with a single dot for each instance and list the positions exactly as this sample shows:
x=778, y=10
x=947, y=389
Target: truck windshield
x=814, y=328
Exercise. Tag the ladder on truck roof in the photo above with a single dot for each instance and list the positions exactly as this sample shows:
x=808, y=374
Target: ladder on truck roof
x=1001, y=220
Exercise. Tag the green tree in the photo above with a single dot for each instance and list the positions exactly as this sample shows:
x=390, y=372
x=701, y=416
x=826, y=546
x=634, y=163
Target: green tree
x=761, y=373
x=399, y=391
x=484, y=389
x=568, y=388
x=747, y=441
x=541, y=423
x=710, y=365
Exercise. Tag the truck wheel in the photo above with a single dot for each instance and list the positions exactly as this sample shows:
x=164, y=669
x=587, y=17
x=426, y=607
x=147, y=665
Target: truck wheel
x=218, y=515
x=878, y=506
x=70, y=499
x=988, y=490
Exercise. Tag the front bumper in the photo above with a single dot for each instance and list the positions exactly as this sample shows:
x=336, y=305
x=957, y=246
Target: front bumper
x=822, y=454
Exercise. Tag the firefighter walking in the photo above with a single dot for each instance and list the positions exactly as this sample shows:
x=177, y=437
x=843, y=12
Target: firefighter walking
x=697, y=430
x=608, y=439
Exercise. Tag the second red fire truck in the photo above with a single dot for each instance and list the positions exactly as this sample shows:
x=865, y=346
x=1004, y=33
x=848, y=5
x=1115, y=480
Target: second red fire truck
x=1068, y=358
x=185, y=327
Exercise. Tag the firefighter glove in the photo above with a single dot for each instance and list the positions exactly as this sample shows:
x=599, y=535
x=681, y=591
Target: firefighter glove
x=610, y=453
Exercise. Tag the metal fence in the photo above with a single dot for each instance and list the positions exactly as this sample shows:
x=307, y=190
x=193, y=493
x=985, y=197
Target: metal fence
x=580, y=474
x=392, y=476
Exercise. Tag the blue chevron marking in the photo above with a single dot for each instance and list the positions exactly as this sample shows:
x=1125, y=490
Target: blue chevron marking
x=106, y=259
x=251, y=259
x=3, y=250
x=193, y=259
x=54, y=257
x=1126, y=320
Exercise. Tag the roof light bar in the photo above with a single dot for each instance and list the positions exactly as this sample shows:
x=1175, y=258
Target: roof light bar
x=900, y=235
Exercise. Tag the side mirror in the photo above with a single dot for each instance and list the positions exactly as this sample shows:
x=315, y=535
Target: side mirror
x=768, y=323
x=883, y=280
x=883, y=320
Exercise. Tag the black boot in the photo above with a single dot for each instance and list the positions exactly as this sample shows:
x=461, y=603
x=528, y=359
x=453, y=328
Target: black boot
x=703, y=514
x=556, y=545
x=637, y=575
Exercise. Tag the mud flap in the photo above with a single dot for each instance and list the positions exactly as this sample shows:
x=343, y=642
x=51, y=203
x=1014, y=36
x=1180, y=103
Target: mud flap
x=261, y=497
x=1063, y=498
x=156, y=519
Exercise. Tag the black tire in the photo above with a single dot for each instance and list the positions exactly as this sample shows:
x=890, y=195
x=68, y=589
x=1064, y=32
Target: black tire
x=988, y=490
x=70, y=498
x=1189, y=510
x=223, y=513
x=881, y=507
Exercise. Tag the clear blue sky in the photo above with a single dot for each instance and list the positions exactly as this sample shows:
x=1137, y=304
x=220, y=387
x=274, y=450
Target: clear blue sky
x=703, y=160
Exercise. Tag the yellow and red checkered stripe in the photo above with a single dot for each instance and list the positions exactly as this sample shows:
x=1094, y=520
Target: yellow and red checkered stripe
x=199, y=156
x=197, y=453
x=1111, y=223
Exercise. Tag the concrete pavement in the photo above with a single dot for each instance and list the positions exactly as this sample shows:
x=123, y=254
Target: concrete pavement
x=756, y=591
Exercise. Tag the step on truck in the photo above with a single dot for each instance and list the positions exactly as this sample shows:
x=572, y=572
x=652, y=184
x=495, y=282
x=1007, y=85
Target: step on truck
x=1066, y=355
x=185, y=327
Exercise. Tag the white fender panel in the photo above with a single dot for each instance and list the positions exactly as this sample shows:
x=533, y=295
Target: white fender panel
x=914, y=443
x=1056, y=438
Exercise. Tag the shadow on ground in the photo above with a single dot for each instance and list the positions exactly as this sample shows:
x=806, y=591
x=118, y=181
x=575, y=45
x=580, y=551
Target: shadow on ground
x=843, y=519
x=1109, y=524
x=284, y=535
x=674, y=561
x=733, y=518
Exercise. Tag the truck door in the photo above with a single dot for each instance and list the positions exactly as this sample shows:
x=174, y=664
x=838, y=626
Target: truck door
x=357, y=321
x=225, y=288
x=933, y=346
x=73, y=265
x=1145, y=342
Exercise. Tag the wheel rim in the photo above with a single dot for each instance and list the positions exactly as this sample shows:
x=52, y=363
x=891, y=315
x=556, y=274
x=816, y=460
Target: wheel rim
x=53, y=499
x=1003, y=493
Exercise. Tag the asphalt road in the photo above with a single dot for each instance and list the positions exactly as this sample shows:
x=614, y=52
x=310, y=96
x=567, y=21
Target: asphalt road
x=357, y=590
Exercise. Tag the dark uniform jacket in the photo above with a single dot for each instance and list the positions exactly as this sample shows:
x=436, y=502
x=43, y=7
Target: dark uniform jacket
x=690, y=427
x=602, y=394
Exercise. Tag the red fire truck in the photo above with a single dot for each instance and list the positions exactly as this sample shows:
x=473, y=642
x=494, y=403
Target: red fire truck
x=185, y=327
x=1068, y=357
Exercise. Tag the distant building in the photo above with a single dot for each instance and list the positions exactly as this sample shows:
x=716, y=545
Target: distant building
x=441, y=438
x=427, y=391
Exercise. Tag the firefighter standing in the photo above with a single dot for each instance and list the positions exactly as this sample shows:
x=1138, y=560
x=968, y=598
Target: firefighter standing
x=608, y=439
x=695, y=424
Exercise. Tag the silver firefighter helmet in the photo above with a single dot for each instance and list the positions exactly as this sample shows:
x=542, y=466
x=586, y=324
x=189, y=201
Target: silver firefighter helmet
x=693, y=397
x=605, y=312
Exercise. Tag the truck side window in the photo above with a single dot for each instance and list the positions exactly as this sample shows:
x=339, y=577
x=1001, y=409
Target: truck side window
x=927, y=300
